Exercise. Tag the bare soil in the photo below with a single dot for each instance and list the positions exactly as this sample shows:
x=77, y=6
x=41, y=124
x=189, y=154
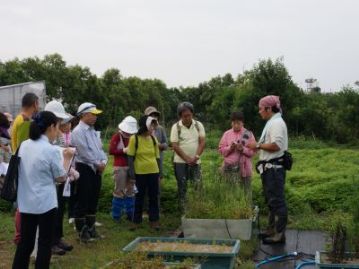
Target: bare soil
x=182, y=247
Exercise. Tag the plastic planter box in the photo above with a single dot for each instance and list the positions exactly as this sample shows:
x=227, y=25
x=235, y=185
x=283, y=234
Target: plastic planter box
x=320, y=265
x=208, y=260
x=220, y=228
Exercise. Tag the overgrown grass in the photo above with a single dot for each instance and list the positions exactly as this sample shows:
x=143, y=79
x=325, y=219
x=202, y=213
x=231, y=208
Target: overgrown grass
x=319, y=189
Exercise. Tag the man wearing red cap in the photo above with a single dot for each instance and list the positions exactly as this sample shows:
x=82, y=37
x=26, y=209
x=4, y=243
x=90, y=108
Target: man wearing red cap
x=272, y=145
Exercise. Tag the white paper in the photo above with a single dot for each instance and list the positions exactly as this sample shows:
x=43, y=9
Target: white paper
x=3, y=168
x=67, y=189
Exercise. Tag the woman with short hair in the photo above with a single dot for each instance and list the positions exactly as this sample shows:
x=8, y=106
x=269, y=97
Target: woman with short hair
x=237, y=163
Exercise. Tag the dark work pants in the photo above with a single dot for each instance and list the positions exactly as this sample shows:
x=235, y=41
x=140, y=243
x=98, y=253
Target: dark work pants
x=29, y=223
x=147, y=183
x=184, y=173
x=72, y=200
x=273, y=181
x=61, y=200
x=88, y=191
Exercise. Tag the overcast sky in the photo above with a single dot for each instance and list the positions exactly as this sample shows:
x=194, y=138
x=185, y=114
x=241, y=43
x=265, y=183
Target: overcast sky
x=184, y=42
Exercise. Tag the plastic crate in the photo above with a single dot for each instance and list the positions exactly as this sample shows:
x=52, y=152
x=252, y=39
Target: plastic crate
x=208, y=260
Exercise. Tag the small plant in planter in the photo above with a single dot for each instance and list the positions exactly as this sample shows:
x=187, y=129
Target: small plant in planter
x=337, y=257
x=218, y=199
x=220, y=209
x=354, y=238
x=339, y=238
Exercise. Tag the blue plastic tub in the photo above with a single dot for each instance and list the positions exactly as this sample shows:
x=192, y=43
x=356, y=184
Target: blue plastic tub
x=207, y=260
x=321, y=265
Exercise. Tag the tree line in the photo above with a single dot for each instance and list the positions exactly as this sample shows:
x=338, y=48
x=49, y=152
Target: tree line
x=331, y=116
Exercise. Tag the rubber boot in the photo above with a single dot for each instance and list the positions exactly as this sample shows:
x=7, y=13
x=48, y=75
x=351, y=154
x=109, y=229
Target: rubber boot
x=90, y=222
x=117, y=207
x=270, y=230
x=82, y=229
x=130, y=205
x=277, y=238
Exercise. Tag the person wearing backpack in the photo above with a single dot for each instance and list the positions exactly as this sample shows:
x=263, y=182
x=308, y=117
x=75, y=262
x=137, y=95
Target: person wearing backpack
x=159, y=133
x=123, y=193
x=233, y=146
x=188, y=142
x=144, y=169
x=272, y=146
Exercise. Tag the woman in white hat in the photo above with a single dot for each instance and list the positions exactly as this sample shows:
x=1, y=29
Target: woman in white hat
x=60, y=246
x=123, y=194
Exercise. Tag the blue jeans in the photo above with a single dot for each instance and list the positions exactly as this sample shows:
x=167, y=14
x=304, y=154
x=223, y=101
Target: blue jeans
x=273, y=181
x=122, y=204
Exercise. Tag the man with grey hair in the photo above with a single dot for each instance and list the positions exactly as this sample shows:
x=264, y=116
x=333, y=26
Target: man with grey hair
x=188, y=142
x=90, y=162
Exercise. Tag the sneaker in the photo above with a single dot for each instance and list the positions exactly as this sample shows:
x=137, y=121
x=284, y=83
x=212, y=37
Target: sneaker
x=55, y=250
x=71, y=220
x=65, y=246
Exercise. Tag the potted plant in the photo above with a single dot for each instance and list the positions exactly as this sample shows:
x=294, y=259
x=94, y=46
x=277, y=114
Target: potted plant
x=337, y=257
x=210, y=253
x=219, y=209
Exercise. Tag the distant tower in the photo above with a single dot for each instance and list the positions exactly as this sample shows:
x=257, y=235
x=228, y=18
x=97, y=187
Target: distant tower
x=312, y=85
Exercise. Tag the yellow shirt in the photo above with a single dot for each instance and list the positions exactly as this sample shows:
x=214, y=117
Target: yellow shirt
x=19, y=131
x=145, y=155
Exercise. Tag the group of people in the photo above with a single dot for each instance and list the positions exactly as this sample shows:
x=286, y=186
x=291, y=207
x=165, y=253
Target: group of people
x=138, y=161
x=46, y=184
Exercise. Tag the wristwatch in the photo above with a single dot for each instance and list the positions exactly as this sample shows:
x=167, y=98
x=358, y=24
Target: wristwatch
x=258, y=146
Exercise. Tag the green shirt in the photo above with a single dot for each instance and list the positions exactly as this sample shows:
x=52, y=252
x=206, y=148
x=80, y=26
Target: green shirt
x=146, y=154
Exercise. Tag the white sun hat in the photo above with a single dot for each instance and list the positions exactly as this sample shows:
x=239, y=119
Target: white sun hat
x=58, y=109
x=128, y=125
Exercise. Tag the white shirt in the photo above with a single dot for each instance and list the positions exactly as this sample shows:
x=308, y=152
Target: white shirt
x=88, y=146
x=188, y=140
x=276, y=133
x=40, y=165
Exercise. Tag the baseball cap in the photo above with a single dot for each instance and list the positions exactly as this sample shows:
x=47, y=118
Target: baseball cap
x=88, y=108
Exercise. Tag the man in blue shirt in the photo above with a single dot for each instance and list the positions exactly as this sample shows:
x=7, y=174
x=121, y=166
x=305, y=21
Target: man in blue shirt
x=90, y=162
